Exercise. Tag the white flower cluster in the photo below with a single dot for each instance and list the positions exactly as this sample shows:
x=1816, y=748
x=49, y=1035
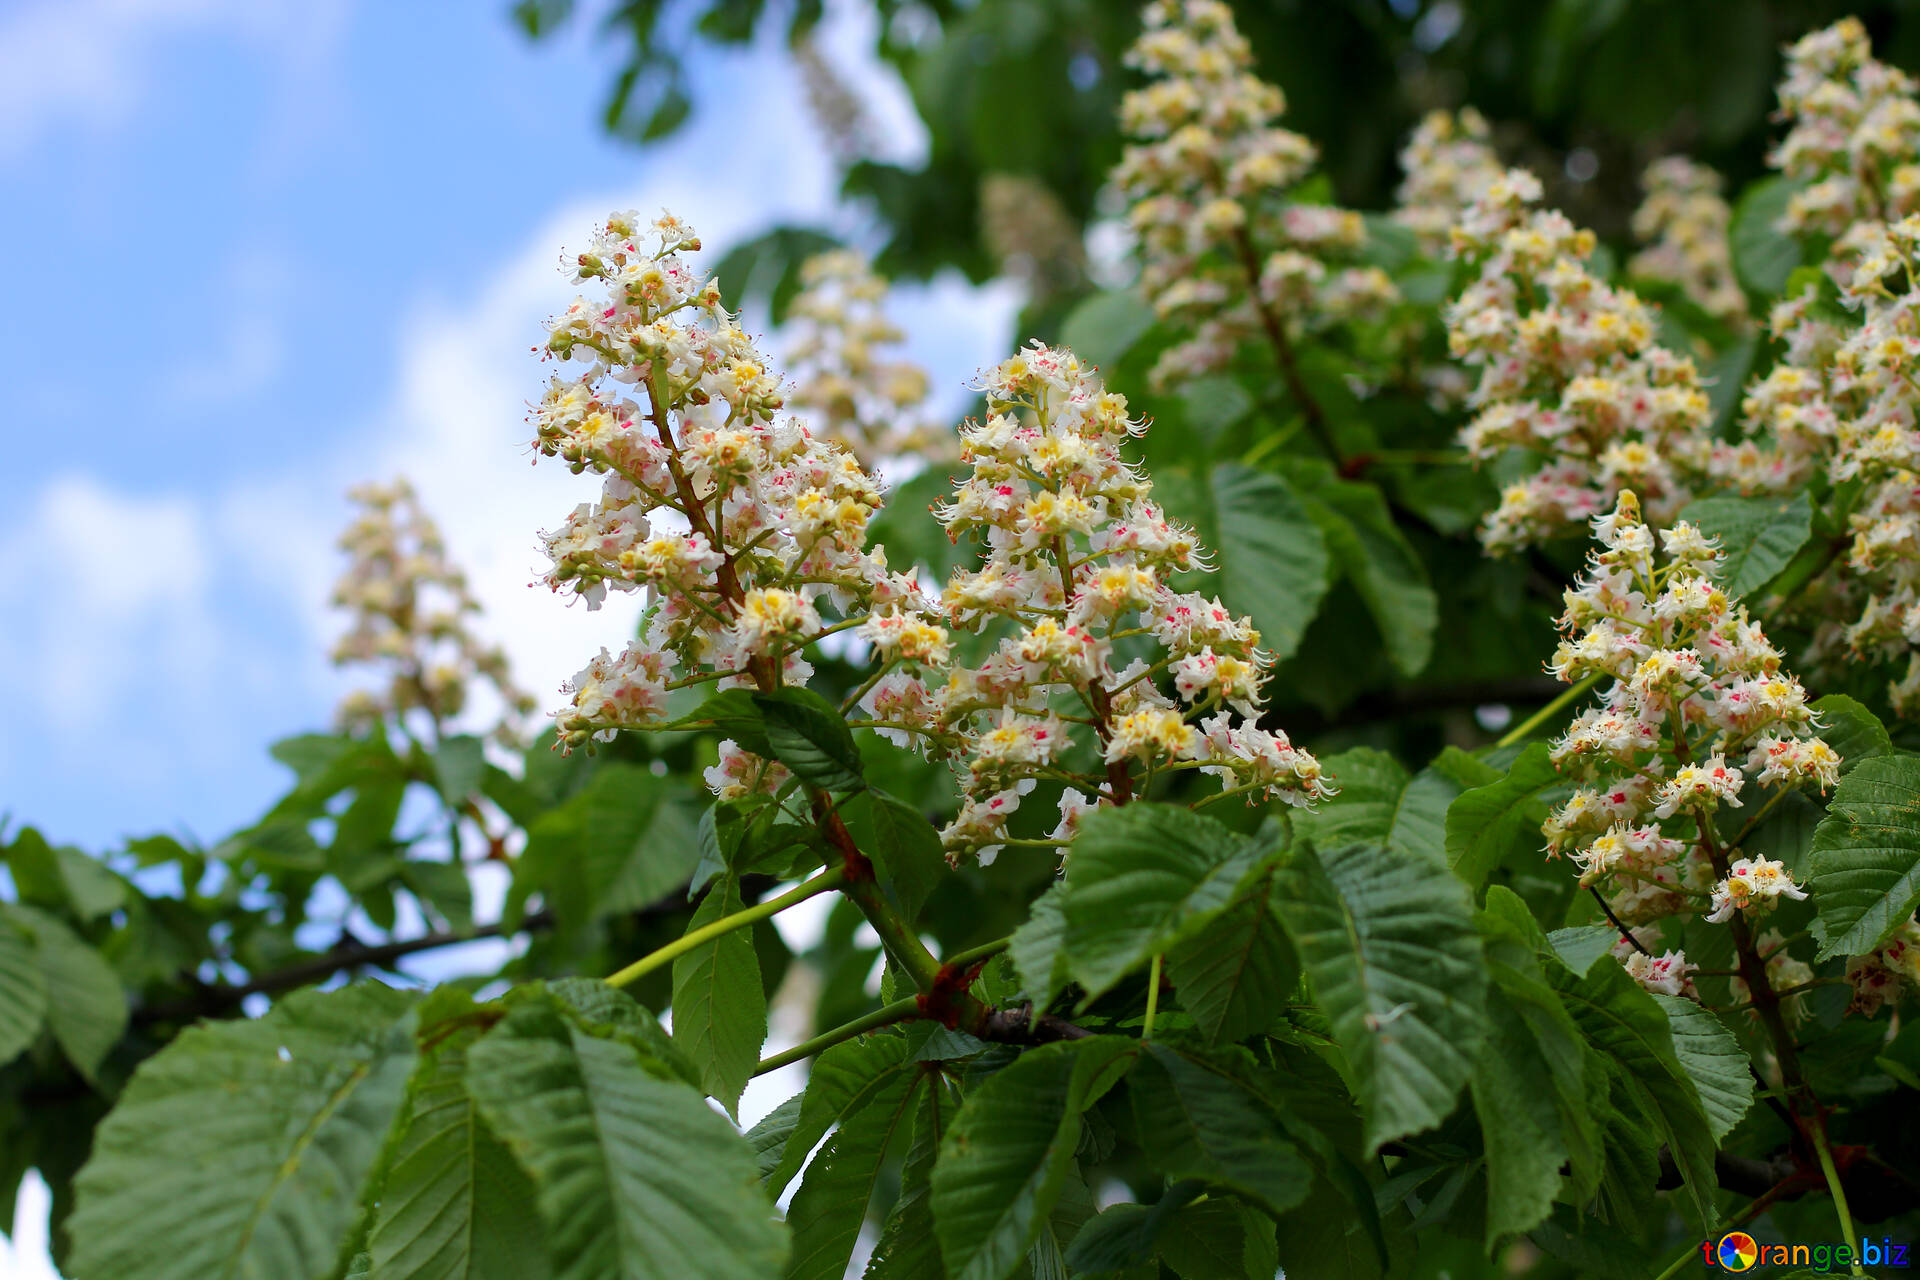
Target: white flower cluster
x=1080, y=561
x=410, y=608
x=845, y=384
x=1683, y=223
x=1569, y=370
x=1670, y=973
x=1222, y=253
x=1448, y=163
x=1698, y=707
x=734, y=517
x=1843, y=392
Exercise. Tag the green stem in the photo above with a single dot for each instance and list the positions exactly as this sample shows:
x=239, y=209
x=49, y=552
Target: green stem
x=973, y=955
x=885, y=1015
x=1526, y=727
x=1680, y=1263
x=1153, y=998
x=727, y=924
x=1817, y=1130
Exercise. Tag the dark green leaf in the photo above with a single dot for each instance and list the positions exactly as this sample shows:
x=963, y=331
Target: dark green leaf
x=1272, y=557
x=909, y=1248
x=831, y=1204
x=1712, y=1059
x=719, y=1005
x=1237, y=973
x=1758, y=535
x=1396, y=966
x=243, y=1146
x=635, y=1175
x=23, y=992
x=1491, y=823
x=1852, y=730
x=1763, y=255
x=1376, y=557
x=844, y=1079
x=1037, y=948
x=904, y=846
x=86, y=1009
x=1195, y=1122
x=1103, y=328
x=1865, y=868
x=806, y=734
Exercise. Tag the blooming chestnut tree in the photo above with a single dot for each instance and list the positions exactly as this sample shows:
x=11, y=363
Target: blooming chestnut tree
x=1218, y=863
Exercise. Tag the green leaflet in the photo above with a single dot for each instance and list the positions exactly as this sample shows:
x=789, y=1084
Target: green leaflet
x=85, y=1007
x=1037, y=950
x=808, y=735
x=1763, y=255
x=844, y=1079
x=1140, y=878
x=1758, y=536
x=1195, y=1122
x=1490, y=823
x=828, y=1210
x=1865, y=866
x=719, y=1004
x=1380, y=803
x=909, y=1249
x=23, y=992
x=1396, y=965
x=627, y=840
x=904, y=846
x=1004, y=1162
x=1237, y=973
x=453, y=1205
x=1852, y=730
x=1273, y=557
x=244, y=1145
x=635, y=1175
x=1712, y=1059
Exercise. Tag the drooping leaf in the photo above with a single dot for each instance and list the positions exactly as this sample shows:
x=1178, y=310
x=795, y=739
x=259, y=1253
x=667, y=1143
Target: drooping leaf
x=719, y=1004
x=1396, y=966
x=625, y=841
x=909, y=1248
x=904, y=846
x=1196, y=1122
x=23, y=992
x=808, y=735
x=1864, y=872
x=635, y=1175
x=1490, y=823
x=244, y=1145
x=1237, y=973
x=831, y=1204
x=844, y=1079
x=1763, y=255
x=1009, y=1153
x=86, y=1009
x=1037, y=950
x=1141, y=878
x=1375, y=556
x=1758, y=536
x=1712, y=1059
x=1272, y=557
x=453, y=1203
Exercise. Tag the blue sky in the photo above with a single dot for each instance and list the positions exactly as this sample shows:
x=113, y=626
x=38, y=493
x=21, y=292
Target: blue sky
x=260, y=251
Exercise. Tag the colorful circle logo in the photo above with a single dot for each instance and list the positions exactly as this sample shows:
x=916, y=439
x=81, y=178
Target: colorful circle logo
x=1737, y=1251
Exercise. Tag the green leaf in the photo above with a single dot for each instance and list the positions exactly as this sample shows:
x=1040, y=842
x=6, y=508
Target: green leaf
x=719, y=1004
x=1376, y=557
x=904, y=846
x=1758, y=535
x=1037, y=949
x=806, y=734
x=1141, y=878
x=241, y=1148
x=1219, y=1240
x=1712, y=1059
x=23, y=992
x=1763, y=255
x=1237, y=973
x=1852, y=730
x=1195, y=1122
x=1378, y=803
x=909, y=1248
x=831, y=1204
x=1621, y=1020
x=768, y=266
x=1273, y=558
x=86, y=1009
x=1396, y=966
x=458, y=764
x=844, y=1079
x=627, y=840
x=1489, y=824
x=1005, y=1161
x=769, y=1135
x=453, y=1204
x=635, y=1175
x=1104, y=327
x=1864, y=873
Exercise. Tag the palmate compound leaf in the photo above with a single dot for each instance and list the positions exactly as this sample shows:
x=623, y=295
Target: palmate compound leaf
x=1007, y=1157
x=1141, y=878
x=636, y=1177
x=1390, y=948
x=453, y=1204
x=1865, y=864
x=719, y=1004
x=241, y=1149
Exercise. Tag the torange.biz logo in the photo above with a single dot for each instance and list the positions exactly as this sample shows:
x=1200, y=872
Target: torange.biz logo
x=1738, y=1251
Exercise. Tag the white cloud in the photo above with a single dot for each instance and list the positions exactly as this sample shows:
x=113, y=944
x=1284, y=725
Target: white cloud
x=82, y=61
